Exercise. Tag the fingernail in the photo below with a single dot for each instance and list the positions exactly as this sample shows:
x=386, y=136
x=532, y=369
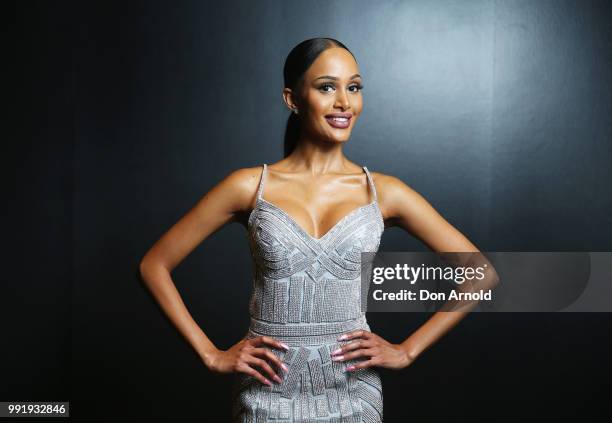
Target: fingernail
x=278, y=379
x=342, y=338
x=349, y=368
x=339, y=350
x=338, y=358
x=285, y=368
x=268, y=382
x=285, y=346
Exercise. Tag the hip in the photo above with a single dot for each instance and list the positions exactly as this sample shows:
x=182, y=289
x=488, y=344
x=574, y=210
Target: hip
x=315, y=386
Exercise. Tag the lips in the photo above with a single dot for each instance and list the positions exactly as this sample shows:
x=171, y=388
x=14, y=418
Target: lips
x=339, y=120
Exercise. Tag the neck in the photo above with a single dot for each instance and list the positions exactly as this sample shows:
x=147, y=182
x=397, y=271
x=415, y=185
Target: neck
x=318, y=157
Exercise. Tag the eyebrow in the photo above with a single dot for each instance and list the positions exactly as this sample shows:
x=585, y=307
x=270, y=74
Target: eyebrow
x=336, y=78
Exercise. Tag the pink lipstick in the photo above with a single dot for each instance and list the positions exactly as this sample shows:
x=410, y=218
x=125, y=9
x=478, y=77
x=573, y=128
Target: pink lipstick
x=339, y=120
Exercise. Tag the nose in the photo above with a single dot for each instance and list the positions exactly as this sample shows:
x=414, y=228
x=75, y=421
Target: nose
x=342, y=100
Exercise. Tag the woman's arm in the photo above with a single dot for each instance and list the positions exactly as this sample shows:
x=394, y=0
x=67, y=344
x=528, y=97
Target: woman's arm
x=214, y=210
x=224, y=203
x=408, y=209
x=404, y=207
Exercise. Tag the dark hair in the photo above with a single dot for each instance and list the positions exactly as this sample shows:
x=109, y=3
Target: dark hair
x=297, y=63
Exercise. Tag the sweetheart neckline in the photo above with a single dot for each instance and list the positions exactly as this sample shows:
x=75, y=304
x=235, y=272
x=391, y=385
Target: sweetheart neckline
x=302, y=230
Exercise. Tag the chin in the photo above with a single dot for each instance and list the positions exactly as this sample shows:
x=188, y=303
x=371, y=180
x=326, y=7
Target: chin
x=342, y=139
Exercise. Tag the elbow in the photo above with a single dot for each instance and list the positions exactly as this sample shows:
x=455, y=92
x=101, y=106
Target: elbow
x=494, y=277
x=149, y=267
x=141, y=267
x=144, y=267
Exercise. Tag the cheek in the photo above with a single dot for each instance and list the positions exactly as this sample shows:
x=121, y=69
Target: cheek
x=319, y=103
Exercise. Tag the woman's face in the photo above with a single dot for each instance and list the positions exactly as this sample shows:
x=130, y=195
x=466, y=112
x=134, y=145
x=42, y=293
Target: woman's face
x=330, y=99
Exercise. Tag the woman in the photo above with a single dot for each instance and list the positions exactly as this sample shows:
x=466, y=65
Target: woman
x=309, y=353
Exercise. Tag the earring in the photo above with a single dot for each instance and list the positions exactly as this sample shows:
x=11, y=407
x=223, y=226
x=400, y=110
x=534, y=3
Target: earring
x=295, y=110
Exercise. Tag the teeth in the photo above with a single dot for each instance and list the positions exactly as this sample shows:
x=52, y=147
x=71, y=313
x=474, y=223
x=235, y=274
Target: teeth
x=339, y=119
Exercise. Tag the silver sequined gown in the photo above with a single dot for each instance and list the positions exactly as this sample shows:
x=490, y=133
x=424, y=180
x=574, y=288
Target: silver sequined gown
x=306, y=293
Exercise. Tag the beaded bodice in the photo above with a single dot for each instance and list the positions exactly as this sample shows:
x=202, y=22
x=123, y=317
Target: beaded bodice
x=302, y=279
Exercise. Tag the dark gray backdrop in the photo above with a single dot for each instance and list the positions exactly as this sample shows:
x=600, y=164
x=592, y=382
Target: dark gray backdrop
x=496, y=111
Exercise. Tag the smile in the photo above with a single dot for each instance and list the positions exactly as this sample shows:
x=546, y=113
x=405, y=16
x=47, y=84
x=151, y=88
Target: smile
x=338, y=122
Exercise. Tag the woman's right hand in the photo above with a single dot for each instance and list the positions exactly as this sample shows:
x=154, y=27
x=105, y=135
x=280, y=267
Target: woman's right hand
x=248, y=355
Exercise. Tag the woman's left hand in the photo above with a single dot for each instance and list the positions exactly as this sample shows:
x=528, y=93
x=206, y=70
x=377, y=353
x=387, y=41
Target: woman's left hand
x=369, y=345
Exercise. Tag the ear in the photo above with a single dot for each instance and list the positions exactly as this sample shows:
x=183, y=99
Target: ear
x=289, y=98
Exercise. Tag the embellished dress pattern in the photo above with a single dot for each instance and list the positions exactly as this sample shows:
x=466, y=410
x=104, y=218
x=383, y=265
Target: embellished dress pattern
x=306, y=293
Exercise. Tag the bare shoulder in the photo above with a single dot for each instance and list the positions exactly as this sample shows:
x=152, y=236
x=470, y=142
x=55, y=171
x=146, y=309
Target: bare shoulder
x=227, y=201
x=244, y=178
x=232, y=197
x=393, y=194
x=403, y=206
x=241, y=185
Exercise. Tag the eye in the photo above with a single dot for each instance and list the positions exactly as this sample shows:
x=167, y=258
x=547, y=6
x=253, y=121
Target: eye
x=354, y=88
x=358, y=87
x=322, y=87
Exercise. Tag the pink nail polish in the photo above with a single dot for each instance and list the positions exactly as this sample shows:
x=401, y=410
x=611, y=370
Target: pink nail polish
x=350, y=368
x=342, y=338
x=339, y=350
x=285, y=368
x=285, y=346
x=338, y=358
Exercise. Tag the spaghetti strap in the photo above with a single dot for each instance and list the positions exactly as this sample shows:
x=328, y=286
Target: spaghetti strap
x=371, y=183
x=261, y=182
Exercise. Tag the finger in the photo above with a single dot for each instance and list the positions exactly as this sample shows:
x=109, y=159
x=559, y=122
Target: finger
x=361, y=365
x=360, y=333
x=264, y=352
x=262, y=364
x=266, y=340
x=254, y=373
x=353, y=345
x=364, y=352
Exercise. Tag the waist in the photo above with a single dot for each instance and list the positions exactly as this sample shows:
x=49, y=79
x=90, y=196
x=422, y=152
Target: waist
x=306, y=333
